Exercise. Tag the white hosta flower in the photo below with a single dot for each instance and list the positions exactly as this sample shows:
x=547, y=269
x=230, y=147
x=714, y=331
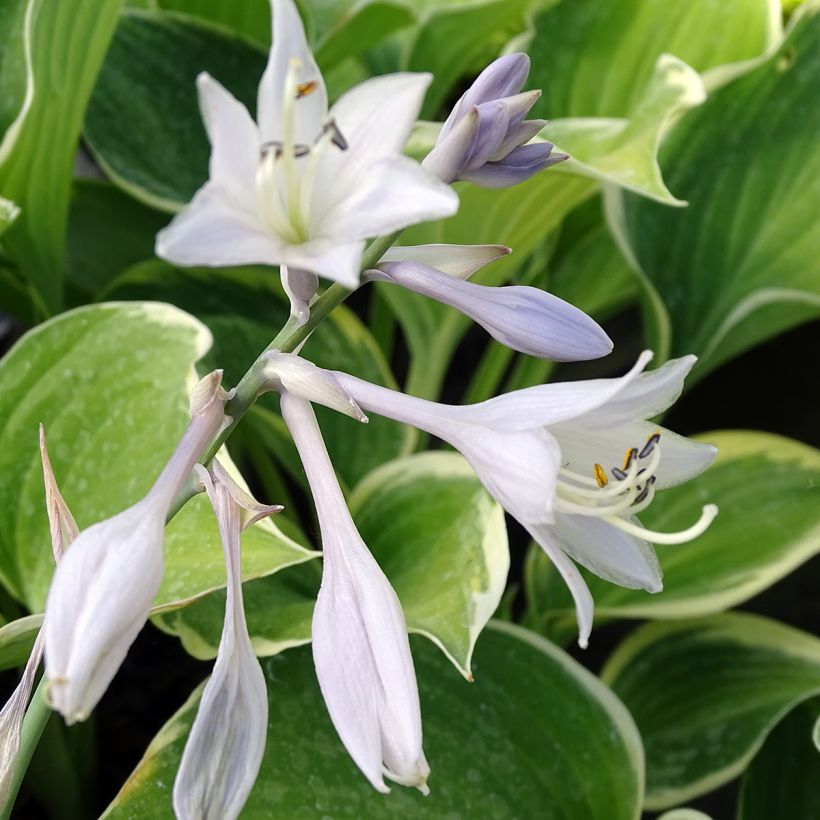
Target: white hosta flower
x=224, y=750
x=540, y=452
x=523, y=318
x=105, y=584
x=305, y=187
x=360, y=644
x=63, y=530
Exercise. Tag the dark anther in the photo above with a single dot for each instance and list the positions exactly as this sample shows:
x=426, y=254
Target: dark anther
x=336, y=136
x=651, y=442
x=618, y=473
x=645, y=491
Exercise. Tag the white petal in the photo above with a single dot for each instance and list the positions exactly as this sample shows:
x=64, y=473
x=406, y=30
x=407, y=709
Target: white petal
x=549, y=403
x=681, y=458
x=285, y=371
x=337, y=260
x=360, y=643
x=375, y=118
x=289, y=43
x=224, y=749
x=458, y=261
x=234, y=141
x=608, y=552
x=651, y=393
x=389, y=195
x=212, y=231
x=99, y=600
x=300, y=287
x=584, y=605
x=526, y=319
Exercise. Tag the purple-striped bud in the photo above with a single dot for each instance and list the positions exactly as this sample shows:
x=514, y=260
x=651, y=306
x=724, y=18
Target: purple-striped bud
x=483, y=139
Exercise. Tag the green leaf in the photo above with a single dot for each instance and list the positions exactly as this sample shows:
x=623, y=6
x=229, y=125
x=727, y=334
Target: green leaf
x=107, y=233
x=110, y=383
x=782, y=779
x=16, y=640
x=766, y=488
x=740, y=264
x=143, y=123
x=55, y=52
x=595, y=58
x=491, y=744
x=436, y=533
x=455, y=40
x=243, y=308
x=624, y=152
x=250, y=18
x=441, y=539
x=705, y=693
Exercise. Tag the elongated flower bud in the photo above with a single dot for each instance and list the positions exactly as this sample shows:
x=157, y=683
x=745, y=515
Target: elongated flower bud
x=224, y=750
x=63, y=531
x=483, y=139
x=360, y=644
x=103, y=588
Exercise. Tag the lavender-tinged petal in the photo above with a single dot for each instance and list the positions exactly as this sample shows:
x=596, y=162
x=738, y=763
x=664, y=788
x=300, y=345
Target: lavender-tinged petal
x=501, y=78
x=518, y=135
x=609, y=552
x=224, y=749
x=518, y=166
x=681, y=459
x=452, y=150
x=300, y=287
x=459, y=261
x=493, y=123
x=360, y=644
x=584, y=605
x=518, y=106
x=523, y=318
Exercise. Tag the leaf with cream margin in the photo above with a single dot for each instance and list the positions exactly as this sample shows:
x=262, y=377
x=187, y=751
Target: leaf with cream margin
x=437, y=534
x=766, y=488
x=491, y=744
x=742, y=262
x=51, y=54
x=595, y=58
x=782, y=780
x=110, y=383
x=705, y=694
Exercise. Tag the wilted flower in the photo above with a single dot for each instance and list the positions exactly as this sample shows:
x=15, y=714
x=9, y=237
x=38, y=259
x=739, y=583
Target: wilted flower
x=523, y=318
x=360, y=644
x=105, y=584
x=483, y=139
x=306, y=186
x=224, y=750
x=63, y=530
x=539, y=452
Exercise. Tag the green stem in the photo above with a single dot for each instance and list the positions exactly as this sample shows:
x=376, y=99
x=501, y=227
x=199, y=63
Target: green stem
x=252, y=384
x=34, y=723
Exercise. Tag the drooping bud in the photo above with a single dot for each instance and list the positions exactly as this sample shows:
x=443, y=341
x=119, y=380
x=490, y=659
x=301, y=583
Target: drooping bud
x=486, y=139
x=105, y=585
x=224, y=750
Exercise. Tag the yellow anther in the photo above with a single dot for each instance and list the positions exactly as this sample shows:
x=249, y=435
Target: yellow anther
x=631, y=454
x=600, y=475
x=303, y=89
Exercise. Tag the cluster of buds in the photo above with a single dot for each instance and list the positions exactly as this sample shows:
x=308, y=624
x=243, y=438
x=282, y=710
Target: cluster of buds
x=304, y=188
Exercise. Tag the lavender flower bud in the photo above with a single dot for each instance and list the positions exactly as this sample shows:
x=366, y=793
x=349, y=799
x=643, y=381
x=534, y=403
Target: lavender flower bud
x=483, y=139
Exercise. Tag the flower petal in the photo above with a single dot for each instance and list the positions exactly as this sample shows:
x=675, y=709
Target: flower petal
x=584, y=605
x=609, y=552
x=360, y=644
x=224, y=749
x=300, y=287
x=582, y=447
x=290, y=43
x=234, y=141
x=394, y=193
x=459, y=261
x=526, y=319
x=212, y=231
x=517, y=166
x=337, y=260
